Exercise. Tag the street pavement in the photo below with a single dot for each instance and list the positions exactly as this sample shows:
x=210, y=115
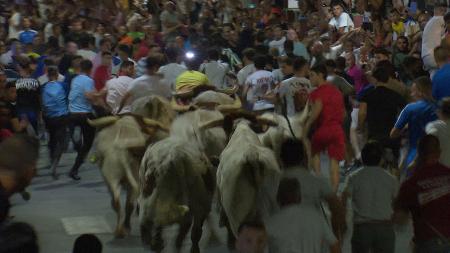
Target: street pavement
x=61, y=210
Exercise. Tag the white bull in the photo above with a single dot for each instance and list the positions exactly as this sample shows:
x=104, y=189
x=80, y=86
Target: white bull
x=247, y=178
x=120, y=146
x=178, y=178
x=275, y=136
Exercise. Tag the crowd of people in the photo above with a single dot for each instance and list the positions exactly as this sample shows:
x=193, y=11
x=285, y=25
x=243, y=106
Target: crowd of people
x=373, y=75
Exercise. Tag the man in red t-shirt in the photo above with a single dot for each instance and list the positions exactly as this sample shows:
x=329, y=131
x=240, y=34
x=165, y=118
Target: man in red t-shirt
x=427, y=196
x=327, y=114
x=103, y=72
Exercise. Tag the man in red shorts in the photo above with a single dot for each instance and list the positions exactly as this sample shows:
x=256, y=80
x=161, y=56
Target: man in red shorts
x=327, y=115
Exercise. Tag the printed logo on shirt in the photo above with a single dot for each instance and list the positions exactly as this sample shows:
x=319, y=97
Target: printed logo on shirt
x=27, y=84
x=435, y=188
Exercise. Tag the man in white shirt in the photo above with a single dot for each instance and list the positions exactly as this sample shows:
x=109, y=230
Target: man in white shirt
x=152, y=83
x=341, y=22
x=248, y=54
x=297, y=84
x=85, y=50
x=297, y=228
x=173, y=69
x=116, y=88
x=258, y=85
x=215, y=70
x=441, y=129
x=431, y=37
x=278, y=41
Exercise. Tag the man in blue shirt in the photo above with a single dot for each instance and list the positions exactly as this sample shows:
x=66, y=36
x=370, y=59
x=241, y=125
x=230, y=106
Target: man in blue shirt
x=441, y=86
x=27, y=35
x=80, y=110
x=416, y=115
x=55, y=108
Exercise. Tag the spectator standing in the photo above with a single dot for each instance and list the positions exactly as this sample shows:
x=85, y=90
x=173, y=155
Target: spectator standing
x=55, y=114
x=28, y=95
x=18, y=156
x=116, y=88
x=441, y=87
x=173, y=68
x=441, y=129
x=416, y=116
x=258, y=85
x=327, y=113
x=191, y=78
x=80, y=111
x=372, y=201
x=103, y=72
x=341, y=21
x=249, y=67
x=426, y=197
x=151, y=83
x=27, y=35
x=215, y=70
x=278, y=40
x=297, y=228
x=252, y=238
x=379, y=108
x=431, y=38
x=293, y=92
x=85, y=48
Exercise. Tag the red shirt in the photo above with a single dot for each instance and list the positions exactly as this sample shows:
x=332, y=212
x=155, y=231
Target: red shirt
x=332, y=113
x=427, y=195
x=101, y=75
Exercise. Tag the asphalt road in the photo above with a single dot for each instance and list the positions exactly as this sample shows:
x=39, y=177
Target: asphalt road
x=61, y=210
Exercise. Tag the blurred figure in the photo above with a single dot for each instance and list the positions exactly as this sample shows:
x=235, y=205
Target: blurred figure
x=87, y=243
x=18, y=156
x=252, y=238
x=18, y=237
x=441, y=129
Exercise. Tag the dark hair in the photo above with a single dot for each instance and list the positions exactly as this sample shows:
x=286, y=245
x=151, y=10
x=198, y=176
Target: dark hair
x=49, y=62
x=388, y=67
x=381, y=50
x=172, y=54
x=104, y=41
x=372, y=153
x=18, y=237
x=86, y=66
x=52, y=71
x=299, y=63
x=85, y=40
x=381, y=74
x=293, y=153
x=444, y=106
x=258, y=225
x=25, y=149
x=124, y=48
x=106, y=53
x=289, y=46
x=87, y=243
x=126, y=64
x=249, y=53
x=289, y=192
x=428, y=145
x=153, y=61
x=330, y=64
x=286, y=60
x=260, y=61
x=260, y=36
x=447, y=17
x=213, y=54
x=337, y=3
x=320, y=69
x=340, y=62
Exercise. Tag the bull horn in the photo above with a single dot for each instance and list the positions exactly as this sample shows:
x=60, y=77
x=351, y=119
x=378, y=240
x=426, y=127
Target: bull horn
x=180, y=108
x=265, y=121
x=229, y=91
x=154, y=123
x=233, y=107
x=103, y=121
x=211, y=124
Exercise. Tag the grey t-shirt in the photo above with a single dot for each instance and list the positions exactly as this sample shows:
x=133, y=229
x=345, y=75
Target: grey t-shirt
x=372, y=190
x=298, y=229
x=287, y=90
x=314, y=189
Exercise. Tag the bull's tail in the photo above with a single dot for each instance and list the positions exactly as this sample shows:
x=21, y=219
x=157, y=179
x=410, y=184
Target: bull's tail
x=130, y=174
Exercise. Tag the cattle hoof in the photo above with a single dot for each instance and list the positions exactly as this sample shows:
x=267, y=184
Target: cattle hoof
x=121, y=233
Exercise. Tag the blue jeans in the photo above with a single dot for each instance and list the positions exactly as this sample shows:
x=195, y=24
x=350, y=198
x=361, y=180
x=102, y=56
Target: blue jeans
x=30, y=115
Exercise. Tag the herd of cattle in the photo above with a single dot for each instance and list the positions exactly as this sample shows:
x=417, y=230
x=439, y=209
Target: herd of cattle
x=173, y=159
